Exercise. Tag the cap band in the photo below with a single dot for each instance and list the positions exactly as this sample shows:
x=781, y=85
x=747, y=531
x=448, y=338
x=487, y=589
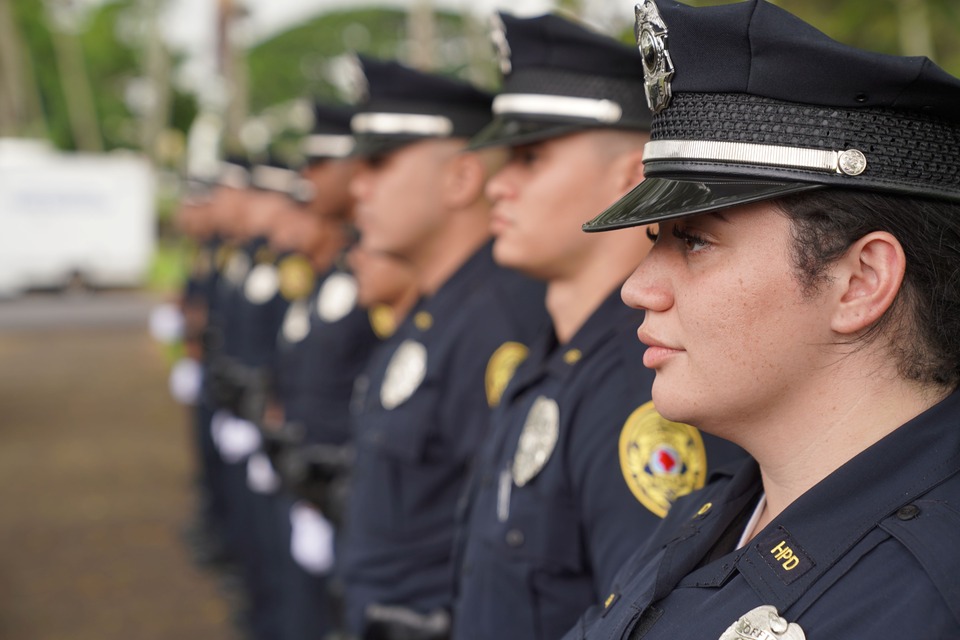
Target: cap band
x=233, y=176
x=402, y=123
x=606, y=111
x=327, y=146
x=850, y=162
x=273, y=178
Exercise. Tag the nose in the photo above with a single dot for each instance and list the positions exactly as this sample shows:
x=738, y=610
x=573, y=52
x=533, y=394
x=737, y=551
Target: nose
x=648, y=287
x=360, y=181
x=499, y=186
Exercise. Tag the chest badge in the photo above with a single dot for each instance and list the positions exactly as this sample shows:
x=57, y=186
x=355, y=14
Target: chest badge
x=763, y=623
x=500, y=369
x=296, y=323
x=337, y=298
x=660, y=460
x=237, y=267
x=406, y=371
x=537, y=440
x=262, y=284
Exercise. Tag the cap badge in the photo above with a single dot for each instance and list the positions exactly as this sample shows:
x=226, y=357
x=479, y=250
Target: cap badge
x=763, y=622
x=537, y=441
x=406, y=371
x=498, y=36
x=657, y=65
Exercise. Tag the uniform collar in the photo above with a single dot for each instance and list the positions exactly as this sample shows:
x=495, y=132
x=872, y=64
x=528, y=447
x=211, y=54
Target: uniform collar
x=549, y=358
x=818, y=529
x=438, y=308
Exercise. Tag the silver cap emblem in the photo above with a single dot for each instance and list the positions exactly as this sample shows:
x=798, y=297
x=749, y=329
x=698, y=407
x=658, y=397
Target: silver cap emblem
x=498, y=36
x=657, y=65
x=763, y=623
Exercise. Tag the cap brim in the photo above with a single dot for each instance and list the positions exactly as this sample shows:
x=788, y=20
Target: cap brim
x=368, y=146
x=513, y=132
x=658, y=199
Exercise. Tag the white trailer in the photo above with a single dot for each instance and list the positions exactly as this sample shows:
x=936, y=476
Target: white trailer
x=68, y=218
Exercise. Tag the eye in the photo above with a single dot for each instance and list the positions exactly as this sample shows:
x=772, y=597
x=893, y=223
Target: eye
x=524, y=155
x=692, y=242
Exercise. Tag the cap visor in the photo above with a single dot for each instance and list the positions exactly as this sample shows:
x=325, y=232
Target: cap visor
x=368, y=146
x=657, y=199
x=513, y=132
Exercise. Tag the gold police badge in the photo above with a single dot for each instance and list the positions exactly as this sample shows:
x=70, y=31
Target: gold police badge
x=382, y=321
x=296, y=322
x=763, y=623
x=537, y=441
x=338, y=296
x=296, y=277
x=500, y=369
x=660, y=460
x=406, y=371
x=262, y=284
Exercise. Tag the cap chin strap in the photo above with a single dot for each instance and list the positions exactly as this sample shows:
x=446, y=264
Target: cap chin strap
x=402, y=123
x=604, y=111
x=850, y=162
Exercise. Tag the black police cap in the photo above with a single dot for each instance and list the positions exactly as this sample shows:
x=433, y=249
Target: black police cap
x=750, y=103
x=330, y=136
x=405, y=105
x=560, y=77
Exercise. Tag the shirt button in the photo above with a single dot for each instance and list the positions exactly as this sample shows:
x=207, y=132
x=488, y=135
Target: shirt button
x=908, y=512
x=515, y=538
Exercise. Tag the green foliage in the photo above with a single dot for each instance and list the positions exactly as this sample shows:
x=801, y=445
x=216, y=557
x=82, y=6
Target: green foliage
x=295, y=63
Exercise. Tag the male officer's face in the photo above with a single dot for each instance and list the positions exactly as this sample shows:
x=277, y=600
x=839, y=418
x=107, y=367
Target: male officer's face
x=331, y=180
x=400, y=205
x=731, y=334
x=543, y=195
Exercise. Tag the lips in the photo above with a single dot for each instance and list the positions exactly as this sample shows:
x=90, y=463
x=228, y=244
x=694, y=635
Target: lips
x=658, y=352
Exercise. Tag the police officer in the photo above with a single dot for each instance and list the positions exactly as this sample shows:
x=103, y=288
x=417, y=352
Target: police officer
x=801, y=300
x=578, y=465
x=424, y=407
x=323, y=345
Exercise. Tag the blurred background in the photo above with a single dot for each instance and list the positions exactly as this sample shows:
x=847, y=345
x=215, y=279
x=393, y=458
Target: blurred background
x=105, y=107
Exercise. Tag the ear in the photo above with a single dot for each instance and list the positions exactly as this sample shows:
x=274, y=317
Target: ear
x=869, y=276
x=629, y=168
x=463, y=180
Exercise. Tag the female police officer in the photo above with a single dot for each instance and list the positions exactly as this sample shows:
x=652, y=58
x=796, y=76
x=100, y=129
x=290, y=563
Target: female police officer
x=801, y=300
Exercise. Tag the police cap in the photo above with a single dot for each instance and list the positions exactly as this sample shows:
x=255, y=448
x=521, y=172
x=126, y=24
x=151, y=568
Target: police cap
x=561, y=77
x=330, y=136
x=234, y=172
x=405, y=105
x=275, y=175
x=750, y=103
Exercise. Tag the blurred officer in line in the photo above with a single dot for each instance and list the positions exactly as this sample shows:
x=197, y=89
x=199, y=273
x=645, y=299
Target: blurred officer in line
x=255, y=308
x=323, y=345
x=424, y=405
x=801, y=300
x=578, y=465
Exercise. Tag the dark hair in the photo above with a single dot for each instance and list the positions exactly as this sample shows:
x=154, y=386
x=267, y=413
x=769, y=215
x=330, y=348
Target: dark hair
x=924, y=322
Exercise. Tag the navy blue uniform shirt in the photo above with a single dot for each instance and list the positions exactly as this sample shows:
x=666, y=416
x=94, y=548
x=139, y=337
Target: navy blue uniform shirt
x=424, y=413
x=869, y=552
x=323, y=345
x=536, y=552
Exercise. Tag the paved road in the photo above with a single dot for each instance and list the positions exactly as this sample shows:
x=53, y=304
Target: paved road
x=94, y=479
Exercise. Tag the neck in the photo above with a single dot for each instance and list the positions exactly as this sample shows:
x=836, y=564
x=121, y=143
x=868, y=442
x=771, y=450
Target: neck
x=449, y=249
x=575, y=295
x=808, y=443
